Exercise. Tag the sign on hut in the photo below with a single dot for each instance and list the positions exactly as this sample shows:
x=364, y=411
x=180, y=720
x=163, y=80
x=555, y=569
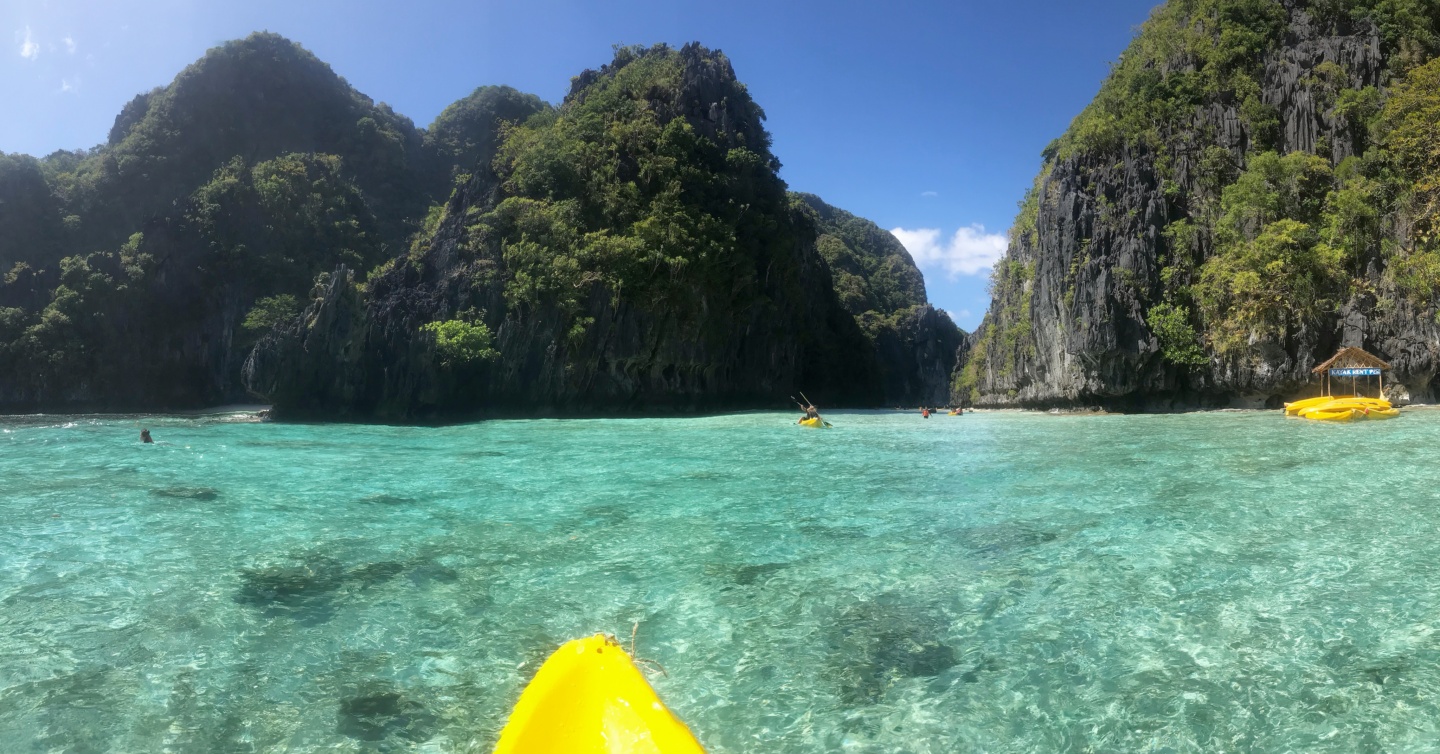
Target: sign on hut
x=1353, y=363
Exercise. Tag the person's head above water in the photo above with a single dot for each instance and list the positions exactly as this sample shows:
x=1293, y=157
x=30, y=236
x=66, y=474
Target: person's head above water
x=145, y=436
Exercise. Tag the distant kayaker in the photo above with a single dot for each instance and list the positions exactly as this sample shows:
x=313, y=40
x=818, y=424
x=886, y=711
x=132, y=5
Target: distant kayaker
x=924, y=413
x=812, y=414
x=145, y=436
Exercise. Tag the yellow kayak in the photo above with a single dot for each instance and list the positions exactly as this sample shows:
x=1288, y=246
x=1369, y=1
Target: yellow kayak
x=954, y=413
x=1350, y=413
x=816, y=423
x=589, y=698
x=1295, y=407
x=1336, y=404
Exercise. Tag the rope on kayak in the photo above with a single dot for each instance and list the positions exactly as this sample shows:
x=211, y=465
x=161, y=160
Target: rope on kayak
x=641, y=661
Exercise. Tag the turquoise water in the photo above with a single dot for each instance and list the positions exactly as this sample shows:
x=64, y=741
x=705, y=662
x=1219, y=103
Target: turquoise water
x=995, y=582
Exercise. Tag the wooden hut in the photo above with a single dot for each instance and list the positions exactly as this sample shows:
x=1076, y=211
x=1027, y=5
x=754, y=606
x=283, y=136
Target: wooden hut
x=1353, y=362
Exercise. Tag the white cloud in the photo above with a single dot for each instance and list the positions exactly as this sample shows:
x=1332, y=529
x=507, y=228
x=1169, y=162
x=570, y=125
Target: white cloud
x=929, y=194
x=69, y=45
x=29, y=48
x=967, y=252
x=964, y=314
x=70, y=85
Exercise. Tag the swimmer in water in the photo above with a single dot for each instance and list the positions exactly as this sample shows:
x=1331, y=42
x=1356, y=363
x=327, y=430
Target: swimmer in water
x=145, y=436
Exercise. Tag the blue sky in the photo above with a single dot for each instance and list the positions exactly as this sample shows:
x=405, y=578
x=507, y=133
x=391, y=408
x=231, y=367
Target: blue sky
x=924, y=117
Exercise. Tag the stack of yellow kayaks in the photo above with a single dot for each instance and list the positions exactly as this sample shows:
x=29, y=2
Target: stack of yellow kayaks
x=816, y=422
x=1294, y=408
x=589, y=698
x=1342, y=408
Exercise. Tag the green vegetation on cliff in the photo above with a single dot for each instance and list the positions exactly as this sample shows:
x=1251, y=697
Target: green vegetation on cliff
x=878, y=283
x=461, y=342
x=466, y=134
x=142, y=273
x=214, y=205
x=631, y=249
x=873, y=272
x=614, y=191
x=1294, y=237
x=1279, y=166
x=254, y=99
x=1193, y=52
x=280, y=223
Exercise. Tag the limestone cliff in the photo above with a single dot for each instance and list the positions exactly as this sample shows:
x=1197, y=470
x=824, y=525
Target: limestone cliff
x=879, y=284
x=1228, y=212
x=634, y=251
x=136, y=275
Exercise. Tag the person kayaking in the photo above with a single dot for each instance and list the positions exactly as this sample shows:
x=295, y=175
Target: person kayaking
x=812, y=416
x=145, y=436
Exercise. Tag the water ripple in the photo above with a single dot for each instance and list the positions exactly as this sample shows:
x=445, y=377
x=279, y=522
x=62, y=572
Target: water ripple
x=997, y=582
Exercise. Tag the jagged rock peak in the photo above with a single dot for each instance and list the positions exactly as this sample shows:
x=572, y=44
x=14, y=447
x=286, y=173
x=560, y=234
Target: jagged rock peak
x=694, y=82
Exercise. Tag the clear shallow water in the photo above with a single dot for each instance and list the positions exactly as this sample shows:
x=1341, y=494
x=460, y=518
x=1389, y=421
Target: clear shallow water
x=997, y=582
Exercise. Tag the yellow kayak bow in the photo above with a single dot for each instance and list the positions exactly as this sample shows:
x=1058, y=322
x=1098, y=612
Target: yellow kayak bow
x=589, y=698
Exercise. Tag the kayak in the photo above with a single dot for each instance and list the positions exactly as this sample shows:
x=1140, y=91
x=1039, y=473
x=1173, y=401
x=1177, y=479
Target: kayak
x=1338, y=404
x=816, y=423
x=589, y=698
x=1350, y=411
x=954, y=413
x=1295, y=407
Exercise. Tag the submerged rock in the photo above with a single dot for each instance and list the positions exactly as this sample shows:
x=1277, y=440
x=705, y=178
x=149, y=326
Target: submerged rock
x=380, y=712
x=606, y=515
x=187, y=493
x=1000, y=539
x=387, y=499
x=880, y=641
x=377, y=573
x=750, y=574
x=426, y=574
x=291, y=581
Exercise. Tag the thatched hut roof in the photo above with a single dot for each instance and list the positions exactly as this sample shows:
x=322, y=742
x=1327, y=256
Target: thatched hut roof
x=1349, y=358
